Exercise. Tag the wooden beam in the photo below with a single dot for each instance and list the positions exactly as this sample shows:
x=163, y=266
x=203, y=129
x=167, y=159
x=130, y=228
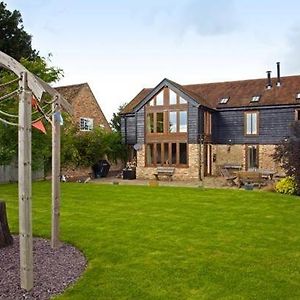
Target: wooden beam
x=25, y=214
x=55, y=243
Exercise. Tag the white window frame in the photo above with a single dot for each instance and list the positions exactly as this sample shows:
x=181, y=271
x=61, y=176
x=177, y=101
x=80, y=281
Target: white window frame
x=86, y=124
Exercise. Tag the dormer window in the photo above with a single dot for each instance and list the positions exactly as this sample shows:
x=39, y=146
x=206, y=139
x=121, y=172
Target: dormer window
x=255, y=99
x=224, y=100
x=298, y=96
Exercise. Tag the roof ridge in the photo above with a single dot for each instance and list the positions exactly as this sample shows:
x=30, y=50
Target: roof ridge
x=71, y=85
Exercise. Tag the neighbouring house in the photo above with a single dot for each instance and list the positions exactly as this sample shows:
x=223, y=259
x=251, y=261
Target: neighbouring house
x=86, y=110
x=87, y=114
x=199, y=128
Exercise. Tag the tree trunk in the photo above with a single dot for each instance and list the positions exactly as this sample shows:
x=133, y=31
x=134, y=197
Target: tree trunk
x=5, y=236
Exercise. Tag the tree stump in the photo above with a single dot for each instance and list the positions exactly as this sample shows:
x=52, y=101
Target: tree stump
x=5, y=236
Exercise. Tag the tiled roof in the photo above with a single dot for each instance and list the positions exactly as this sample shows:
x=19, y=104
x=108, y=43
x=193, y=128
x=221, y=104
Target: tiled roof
x=69, y=92
x=239, y=92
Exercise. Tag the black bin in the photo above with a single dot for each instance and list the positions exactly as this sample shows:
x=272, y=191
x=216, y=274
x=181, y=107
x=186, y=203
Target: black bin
x=101, y=168
x=129, y=174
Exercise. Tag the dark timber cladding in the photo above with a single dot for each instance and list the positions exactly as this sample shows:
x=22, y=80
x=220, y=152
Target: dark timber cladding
x=140, y=125
x=193, y=124
x=274, y=124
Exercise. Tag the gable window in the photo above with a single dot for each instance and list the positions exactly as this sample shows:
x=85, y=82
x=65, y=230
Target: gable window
x=172, y=97
x=160, y=122
x=182, y=101
x=183, y=121
x=297, y=115
x=160, y=98
x=255, y=99
x=298, y=96
x=173, y=121
x=150, y=122
x=178, y=121
x=86, y=124
x=251, y=123
x=224, y=100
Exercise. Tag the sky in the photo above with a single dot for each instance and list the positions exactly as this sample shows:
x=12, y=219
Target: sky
x=119, y=47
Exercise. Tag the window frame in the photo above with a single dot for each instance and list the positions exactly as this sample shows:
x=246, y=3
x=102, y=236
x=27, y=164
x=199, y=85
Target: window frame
x=86, y=119
x=162, y=154
x=245, y=123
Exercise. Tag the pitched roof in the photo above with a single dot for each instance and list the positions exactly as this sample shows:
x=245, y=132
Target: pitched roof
x=239, y=92
x=69, y=92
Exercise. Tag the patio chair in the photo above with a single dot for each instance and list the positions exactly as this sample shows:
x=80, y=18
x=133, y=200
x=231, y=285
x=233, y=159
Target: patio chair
x=229, y=178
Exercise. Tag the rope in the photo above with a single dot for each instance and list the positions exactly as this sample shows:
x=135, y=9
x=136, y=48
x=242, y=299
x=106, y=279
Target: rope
x=8, y=123
x=10, y=82
x=9, y=95
x=8, y=115
x=44, y=115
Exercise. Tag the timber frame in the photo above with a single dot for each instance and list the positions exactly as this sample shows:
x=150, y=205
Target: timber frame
x=29, y=86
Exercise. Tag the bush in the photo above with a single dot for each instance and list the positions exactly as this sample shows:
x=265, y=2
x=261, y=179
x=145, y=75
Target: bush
x=286, y=186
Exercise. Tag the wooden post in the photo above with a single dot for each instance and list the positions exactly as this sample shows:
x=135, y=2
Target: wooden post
x=55, y=243
x=25, y=214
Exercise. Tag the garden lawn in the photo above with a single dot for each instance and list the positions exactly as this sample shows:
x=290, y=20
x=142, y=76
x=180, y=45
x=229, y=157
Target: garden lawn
x=174, y=243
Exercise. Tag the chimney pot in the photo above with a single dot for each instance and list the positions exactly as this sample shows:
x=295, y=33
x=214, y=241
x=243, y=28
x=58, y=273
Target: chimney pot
x=278, y=83
x=269, y=82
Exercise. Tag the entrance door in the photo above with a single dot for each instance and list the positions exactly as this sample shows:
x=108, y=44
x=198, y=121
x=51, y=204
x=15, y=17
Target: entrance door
x=207, y=160
x=252, y=157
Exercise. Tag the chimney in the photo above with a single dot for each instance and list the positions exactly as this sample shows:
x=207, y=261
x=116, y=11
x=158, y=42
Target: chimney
x=278, y=83
x=269, y=82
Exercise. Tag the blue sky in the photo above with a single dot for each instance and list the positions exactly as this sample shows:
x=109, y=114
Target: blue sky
x=119, y=47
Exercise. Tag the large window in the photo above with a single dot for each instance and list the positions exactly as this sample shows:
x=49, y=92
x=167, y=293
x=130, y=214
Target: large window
x=160, y=122
x=178, y=121
x=86, y=124
x=251, y=123
x=167, y=154
x=150, y=122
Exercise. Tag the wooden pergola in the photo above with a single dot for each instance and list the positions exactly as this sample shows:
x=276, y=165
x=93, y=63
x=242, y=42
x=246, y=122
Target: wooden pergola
x=29, y=86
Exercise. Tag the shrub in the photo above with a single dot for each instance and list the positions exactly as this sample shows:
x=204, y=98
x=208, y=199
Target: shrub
x=286, y=186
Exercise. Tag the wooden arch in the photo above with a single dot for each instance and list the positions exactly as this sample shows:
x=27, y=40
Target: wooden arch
x=30, y=85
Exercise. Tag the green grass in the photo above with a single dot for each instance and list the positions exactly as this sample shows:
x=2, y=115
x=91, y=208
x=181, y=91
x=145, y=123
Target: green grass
x=174, y=243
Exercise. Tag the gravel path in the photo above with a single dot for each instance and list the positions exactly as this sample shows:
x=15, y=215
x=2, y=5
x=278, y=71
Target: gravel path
x=54, y=270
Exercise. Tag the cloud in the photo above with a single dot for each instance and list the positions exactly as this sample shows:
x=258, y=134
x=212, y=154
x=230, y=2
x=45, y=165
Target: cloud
x=204, y=17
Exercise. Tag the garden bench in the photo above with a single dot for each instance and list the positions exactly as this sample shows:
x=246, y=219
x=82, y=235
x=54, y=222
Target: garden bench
x=164, y=171
x=246, y=177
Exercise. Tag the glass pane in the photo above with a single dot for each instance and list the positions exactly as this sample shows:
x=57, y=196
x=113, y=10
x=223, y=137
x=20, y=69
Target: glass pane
x=182, y=101
x=149, y=154
x=150, y=122
x=172, y=121
x=173, y=154
x=158, y=153
x=160, y=98
x=151, y=103
x=173, y=97
x=298, y=115
x=252, y=156
x=166, y=154
x=254, y=123
x=183, y=121
x=182, y=153
x=160, y=122
x=248, y=124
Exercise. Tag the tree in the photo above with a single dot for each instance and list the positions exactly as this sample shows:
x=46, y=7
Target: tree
x=287, y=154
x=14, y=40
x=115, y=122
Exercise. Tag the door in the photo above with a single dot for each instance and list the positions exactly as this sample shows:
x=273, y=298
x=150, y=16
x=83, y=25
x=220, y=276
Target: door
x=207, y=160
x=252, y=162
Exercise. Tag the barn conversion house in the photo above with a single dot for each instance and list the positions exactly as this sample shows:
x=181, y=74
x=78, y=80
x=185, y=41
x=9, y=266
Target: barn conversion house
x=199, y=127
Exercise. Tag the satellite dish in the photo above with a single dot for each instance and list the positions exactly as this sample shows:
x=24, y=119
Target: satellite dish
x=137, y=147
